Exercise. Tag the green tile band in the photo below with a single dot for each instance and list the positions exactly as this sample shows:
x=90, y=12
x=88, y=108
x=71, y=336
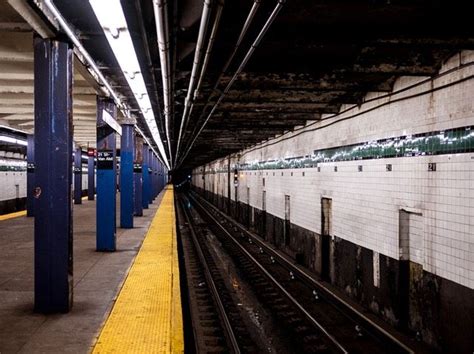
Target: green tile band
x=452, y=141
x=7, y=165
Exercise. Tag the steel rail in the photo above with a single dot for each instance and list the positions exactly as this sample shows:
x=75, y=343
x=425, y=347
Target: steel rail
x=210, y=281
x=298, y=272
x=275, y=282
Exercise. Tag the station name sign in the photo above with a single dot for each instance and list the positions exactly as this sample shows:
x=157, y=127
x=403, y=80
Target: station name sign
x=105, y=159
x=137, y=168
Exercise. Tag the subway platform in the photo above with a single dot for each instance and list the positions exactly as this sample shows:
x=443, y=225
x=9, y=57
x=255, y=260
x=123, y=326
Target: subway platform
x=124, y=301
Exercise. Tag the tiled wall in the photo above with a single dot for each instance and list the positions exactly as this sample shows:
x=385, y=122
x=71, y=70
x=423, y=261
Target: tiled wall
x=12, y=185
x=12, y=182
x=367, y=200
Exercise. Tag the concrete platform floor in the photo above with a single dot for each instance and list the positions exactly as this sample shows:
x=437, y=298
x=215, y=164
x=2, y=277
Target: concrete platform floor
x=97, y=279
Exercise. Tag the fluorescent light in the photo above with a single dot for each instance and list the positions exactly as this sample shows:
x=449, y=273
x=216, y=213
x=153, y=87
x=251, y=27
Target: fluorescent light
x=112, y=20
x=70, y=33
x=9, y=139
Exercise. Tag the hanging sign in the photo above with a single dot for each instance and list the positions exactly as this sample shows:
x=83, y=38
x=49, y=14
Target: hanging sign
x=105, y=159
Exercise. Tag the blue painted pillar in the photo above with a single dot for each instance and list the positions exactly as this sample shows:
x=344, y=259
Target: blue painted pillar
x=78, y=176
x=90, y=174
x=157, y=173
x=106, y=178
x=145, y=178
x=152, y=176
x=53, y=255
x=154, y=186
x=127, y=145
x=30, y=175
x=165, y=176
x=158, y=184
x=137, y=176
x=158, y=176
x=162, y=177
x=118, y=163
x=150, y=173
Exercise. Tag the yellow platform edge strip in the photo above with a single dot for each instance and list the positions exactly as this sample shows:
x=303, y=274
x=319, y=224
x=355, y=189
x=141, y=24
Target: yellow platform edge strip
x=147, y=315
x=20, y=213
x=12, y=215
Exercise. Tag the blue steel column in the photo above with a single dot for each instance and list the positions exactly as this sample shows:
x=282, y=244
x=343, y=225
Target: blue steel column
x=159, y=177
x=30, y=175
x=162, y=177
x=137, y=176
x=90, y=174
x=78, y=176
x=155, y=175
x=106, y=178
x=145, y=178
x=152, y=176
x=127, y=145
x=150, y=179
x=53, y=175
x=158, y=185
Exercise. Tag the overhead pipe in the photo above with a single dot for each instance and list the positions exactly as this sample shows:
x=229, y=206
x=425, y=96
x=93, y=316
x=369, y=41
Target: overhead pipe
x=242, y=65
x=80, y=51
x=161, y=19
x=32, y=18
x=143, y=31
x=206, y=14
x=91, y=65
x=243, y=32
x=212, y=38
x=80, y=48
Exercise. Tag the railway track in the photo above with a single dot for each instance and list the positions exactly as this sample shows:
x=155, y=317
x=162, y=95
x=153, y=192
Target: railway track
x=217, y=323
x=314, y=318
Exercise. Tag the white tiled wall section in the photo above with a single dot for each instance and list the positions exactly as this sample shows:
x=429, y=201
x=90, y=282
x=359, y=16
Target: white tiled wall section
x=12, y=185
x=366, y=205
x=11, y=182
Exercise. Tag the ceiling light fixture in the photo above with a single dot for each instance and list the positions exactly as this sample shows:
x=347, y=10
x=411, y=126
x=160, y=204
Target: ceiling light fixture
x=48, y=9
x=70, y=33
x=112, y=20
